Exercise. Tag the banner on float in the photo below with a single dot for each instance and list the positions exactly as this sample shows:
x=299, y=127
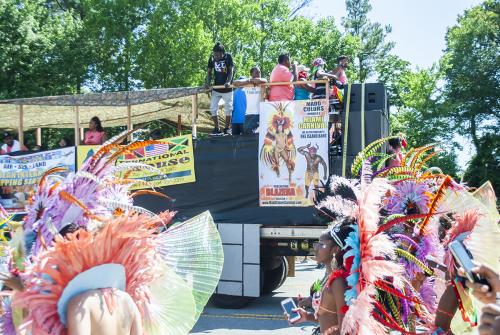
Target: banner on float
x=293, y=151
x=19, y=175
x=173, y=158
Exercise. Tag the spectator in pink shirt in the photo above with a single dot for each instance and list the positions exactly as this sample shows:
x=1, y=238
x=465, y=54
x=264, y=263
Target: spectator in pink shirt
x=282, y=73
x=96, y=134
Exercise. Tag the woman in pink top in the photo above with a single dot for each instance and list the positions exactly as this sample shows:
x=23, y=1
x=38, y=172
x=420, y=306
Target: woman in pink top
x=281, y=73
x=96, y=134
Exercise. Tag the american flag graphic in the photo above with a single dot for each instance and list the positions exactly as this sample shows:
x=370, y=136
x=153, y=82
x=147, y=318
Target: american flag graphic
x=155, y=149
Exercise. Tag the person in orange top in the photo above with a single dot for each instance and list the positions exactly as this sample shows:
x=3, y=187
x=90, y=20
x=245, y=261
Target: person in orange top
x=96, y=134
x=282, y=73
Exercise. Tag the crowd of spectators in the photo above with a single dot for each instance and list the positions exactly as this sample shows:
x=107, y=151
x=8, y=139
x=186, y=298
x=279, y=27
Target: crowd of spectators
x=241, y=104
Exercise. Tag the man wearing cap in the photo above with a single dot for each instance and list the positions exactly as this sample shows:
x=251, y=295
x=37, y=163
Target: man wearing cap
x=320, y=73
x=10, y=144
x=221, y=65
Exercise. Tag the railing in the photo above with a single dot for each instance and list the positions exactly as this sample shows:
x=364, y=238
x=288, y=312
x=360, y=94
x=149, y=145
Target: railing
x=76, y=102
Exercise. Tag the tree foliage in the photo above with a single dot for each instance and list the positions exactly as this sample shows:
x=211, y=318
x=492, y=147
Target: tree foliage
x=419, y=115
x=50, y=47
x=472, y=76
x=35, y=49
x=371, y=36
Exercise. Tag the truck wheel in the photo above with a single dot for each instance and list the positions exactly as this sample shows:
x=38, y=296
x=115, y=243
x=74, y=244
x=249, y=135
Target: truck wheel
x=230, y=301
x=274, y=278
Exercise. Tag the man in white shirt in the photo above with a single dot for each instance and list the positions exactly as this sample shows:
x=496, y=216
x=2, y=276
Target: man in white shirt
x=10, y=144
x=253, y=95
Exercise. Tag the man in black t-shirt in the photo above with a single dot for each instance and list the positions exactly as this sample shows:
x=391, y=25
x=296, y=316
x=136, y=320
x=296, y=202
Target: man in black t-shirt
x=222, y=64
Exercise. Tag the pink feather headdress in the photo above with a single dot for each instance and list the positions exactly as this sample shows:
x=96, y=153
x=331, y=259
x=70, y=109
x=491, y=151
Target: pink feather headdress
x=127, y=241
x=374, y=256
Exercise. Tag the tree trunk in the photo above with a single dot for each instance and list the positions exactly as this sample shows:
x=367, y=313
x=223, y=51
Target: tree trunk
x=473, y=133
x=262, y=40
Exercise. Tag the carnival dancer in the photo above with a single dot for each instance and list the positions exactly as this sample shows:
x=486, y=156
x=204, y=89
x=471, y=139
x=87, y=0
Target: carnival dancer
x=328, y=301
x=368, y=265
x=123, y=262
x=423, y=198
x=475, y=225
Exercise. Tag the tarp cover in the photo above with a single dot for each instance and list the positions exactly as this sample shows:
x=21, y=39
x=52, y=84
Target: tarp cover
x=111, y=108
x=227, y=185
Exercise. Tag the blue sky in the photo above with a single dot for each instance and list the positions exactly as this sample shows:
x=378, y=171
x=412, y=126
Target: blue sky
x=418, y=28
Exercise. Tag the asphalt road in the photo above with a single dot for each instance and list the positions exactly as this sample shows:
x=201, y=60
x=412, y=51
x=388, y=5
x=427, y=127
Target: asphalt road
x=264, y=315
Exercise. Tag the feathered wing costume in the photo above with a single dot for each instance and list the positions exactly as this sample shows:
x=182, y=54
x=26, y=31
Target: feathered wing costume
x=475, y=223
x=421, y=196
x=374, y=259
x=370, y=254
x=169, y=273
x=87, y=198
x=169, y=292
x=413, y=218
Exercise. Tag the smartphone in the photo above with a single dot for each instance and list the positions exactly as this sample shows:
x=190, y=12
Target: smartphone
x=463, y=259
x=288, y=306
x=433, y=263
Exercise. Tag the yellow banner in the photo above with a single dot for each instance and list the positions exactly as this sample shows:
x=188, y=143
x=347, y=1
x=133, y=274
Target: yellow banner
x=174, y=159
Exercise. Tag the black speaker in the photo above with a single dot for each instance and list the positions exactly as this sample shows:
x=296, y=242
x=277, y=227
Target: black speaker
x=376, y=117
x=336, y=165
x=376, y=126
x=375, y=97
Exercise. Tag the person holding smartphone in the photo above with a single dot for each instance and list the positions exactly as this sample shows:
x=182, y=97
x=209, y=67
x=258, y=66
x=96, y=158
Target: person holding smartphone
x=489, y=323
x=329, y=304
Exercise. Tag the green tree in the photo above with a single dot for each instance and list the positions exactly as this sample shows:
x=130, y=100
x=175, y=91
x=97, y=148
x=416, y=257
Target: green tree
x=420, y=116
x=371, y=36
x=115, y=28
x=472, y=71
x=173, y=50
x=392, y=72
x=33, y=41
x=485, y=165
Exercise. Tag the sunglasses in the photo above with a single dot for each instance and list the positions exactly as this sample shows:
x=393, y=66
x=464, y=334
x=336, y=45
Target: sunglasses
x=319, y=245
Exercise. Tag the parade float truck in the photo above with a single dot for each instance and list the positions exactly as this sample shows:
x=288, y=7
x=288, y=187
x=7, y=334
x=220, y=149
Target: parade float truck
x=260, y=242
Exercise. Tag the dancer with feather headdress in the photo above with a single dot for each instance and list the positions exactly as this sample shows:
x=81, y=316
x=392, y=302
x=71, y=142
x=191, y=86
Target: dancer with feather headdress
x=365, y=258
x=158, y=274
x=421, y=198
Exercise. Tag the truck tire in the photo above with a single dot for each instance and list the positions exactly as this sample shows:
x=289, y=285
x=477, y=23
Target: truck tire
x=230, y=301
x=274, y=278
